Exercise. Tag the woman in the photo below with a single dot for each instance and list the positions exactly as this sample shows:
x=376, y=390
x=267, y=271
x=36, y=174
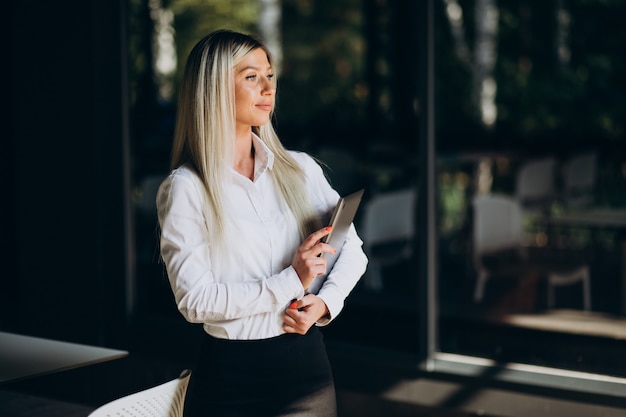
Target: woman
x=241, y=221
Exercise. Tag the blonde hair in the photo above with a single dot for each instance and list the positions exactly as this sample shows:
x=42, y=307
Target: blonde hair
x=205, y=129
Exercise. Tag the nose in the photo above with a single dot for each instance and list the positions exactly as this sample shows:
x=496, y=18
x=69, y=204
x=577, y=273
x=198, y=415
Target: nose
x=268, y=87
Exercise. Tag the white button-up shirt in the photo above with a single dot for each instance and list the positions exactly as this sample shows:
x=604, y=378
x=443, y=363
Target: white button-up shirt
x=243, y=291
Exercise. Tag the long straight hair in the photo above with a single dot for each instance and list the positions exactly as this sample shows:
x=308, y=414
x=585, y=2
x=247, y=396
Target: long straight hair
x=204, y=136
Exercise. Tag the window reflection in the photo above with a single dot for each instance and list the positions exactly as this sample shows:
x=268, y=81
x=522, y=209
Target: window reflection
x=346, y=96
x=532, y=226
x=536, y=125
x=553, y=275
x=547, y=262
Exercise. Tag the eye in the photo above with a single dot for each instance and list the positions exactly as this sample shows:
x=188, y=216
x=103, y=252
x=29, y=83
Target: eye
x=270, y=76
x=251, y=77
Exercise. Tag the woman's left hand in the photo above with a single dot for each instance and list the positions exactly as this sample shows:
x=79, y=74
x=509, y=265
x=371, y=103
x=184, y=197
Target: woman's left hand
x=303, y=314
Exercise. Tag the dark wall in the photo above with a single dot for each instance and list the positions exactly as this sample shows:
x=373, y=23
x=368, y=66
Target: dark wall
x=67, y=260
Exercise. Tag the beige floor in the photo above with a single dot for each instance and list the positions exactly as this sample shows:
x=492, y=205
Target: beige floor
x=569, y=321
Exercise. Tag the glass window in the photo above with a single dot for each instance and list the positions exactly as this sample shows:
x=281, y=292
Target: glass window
x=161, y=34
x=532, y=213
x=530, y=167
x=346, y=95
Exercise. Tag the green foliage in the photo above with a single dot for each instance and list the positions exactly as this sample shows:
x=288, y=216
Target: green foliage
x=322, y=80
x=196, y=18
x=348, y=67
x=538, y=98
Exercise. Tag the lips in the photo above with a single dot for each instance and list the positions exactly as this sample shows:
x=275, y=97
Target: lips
x=266, y=107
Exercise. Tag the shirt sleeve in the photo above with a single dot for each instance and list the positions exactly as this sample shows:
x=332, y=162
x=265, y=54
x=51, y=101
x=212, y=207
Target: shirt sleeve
x=185, y=249
x=351, y=262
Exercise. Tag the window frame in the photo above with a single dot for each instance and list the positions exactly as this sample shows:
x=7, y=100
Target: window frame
x=430, y=358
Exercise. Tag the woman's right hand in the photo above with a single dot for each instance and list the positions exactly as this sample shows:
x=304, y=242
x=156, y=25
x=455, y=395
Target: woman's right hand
x=307, y=261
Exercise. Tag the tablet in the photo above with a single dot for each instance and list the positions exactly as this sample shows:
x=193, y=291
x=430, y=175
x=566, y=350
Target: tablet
x=341, y=219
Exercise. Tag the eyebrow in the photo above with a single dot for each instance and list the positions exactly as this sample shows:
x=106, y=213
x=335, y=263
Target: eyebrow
x=250, y=67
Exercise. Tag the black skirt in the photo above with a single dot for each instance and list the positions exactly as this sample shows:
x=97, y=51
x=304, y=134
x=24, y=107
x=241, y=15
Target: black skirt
x=288, y=375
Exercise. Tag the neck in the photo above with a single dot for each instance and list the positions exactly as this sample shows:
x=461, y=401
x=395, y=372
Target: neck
x=244, y=155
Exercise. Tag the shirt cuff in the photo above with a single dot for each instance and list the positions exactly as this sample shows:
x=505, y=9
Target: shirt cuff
x=286, y=286
x=334, y=305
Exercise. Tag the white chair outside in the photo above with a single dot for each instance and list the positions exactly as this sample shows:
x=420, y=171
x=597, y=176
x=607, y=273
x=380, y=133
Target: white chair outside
x=389, y=218
x=165, y=400
x=560, y=279
x=535, y=185
x=497, y=227
x=579, y=180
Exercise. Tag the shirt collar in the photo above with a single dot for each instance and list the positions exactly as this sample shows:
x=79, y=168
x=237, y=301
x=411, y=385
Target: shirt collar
x=263, y=156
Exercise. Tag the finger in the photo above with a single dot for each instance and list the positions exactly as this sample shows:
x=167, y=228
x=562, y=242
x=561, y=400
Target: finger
x=289, y=329
x=290, y=325
x=291, y=315
x=314, y=254
x=321, y=247
x=315, y=237
x=298, y=305
x=304, y=304
x=307, y=300
x=297, y=318
x=310, y=269
x=293, y=330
